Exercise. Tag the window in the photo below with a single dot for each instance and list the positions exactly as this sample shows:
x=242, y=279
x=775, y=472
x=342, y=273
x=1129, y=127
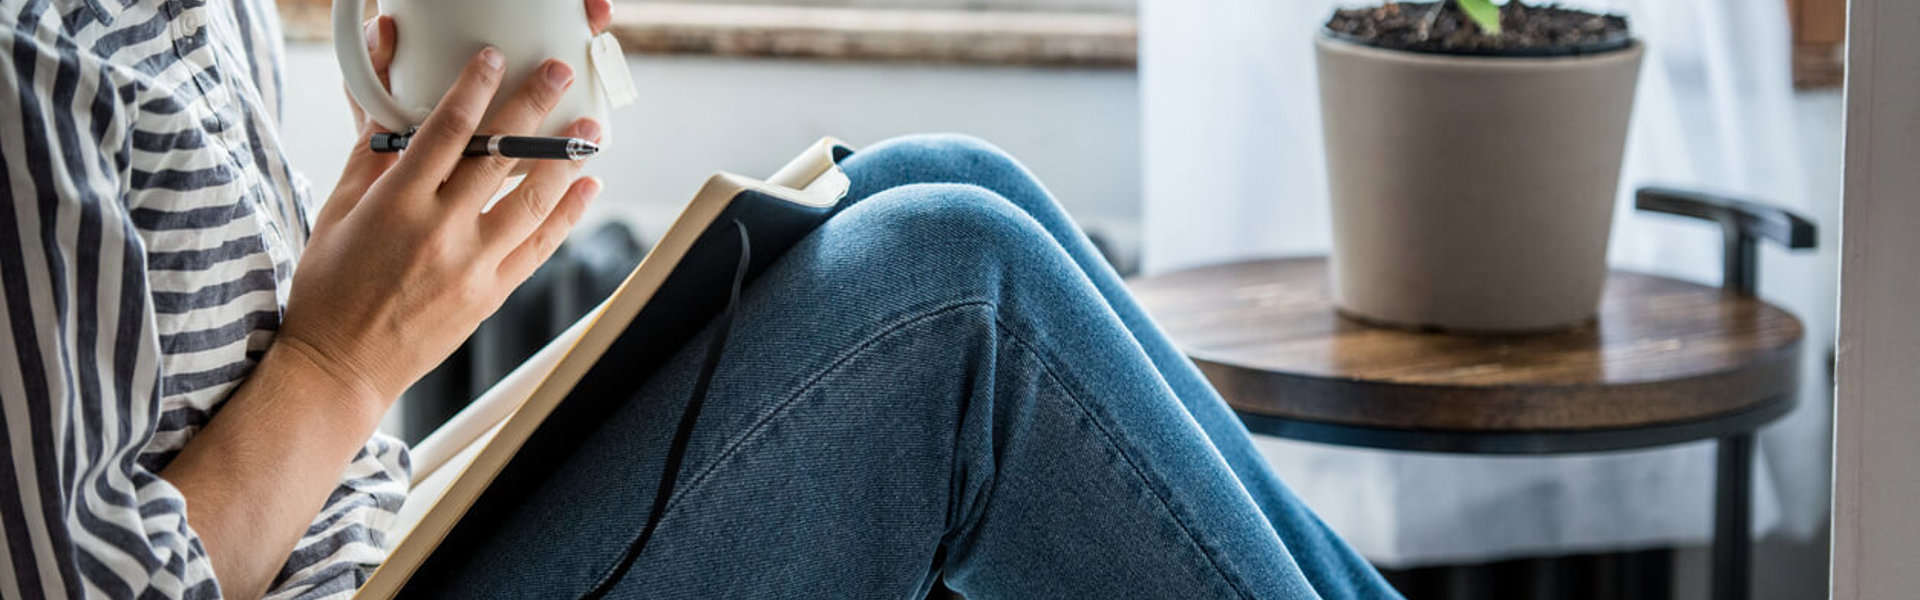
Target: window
x=1077, y=33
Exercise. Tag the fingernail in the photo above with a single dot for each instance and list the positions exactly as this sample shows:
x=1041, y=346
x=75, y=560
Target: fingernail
x=588, y=129
x=492, y=57
x=559, y=74
x=592, y=189
x=373, y=34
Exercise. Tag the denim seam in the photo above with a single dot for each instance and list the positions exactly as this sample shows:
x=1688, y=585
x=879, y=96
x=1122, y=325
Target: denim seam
x=781, y=407
x=1047, y=365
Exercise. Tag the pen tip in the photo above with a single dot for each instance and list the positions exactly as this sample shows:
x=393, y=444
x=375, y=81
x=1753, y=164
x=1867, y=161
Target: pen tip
x=578, y=149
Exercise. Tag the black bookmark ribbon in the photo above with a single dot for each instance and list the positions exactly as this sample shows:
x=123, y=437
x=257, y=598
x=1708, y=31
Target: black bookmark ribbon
x=676, y=453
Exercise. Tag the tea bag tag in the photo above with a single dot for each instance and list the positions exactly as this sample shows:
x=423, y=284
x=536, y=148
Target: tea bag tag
x=610, y=65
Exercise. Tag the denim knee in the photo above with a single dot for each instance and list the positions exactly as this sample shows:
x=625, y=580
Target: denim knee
x=955, y=224
x=942, y=149
x=942, y=158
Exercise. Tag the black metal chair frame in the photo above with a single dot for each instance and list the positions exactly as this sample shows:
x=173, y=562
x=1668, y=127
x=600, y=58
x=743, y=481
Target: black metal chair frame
x=1744, y=225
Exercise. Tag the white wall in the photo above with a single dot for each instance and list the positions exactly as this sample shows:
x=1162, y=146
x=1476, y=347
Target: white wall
x=1077, y=129
x=1876, y=535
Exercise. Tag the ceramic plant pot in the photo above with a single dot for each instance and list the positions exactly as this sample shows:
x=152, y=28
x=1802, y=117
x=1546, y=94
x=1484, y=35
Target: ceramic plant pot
x=1473, y=193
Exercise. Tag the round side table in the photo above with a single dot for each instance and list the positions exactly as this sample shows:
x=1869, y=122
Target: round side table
x=1666, y=362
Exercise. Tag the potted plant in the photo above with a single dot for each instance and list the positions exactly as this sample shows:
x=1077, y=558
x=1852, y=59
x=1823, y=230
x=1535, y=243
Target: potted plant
x=1473, y=156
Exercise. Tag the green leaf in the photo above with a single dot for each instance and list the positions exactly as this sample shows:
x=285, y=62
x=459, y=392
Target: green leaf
x=1483, y=13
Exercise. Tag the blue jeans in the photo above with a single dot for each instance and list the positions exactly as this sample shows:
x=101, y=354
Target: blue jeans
x=944, y=381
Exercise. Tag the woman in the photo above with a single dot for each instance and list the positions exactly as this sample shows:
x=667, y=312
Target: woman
x=943, y=381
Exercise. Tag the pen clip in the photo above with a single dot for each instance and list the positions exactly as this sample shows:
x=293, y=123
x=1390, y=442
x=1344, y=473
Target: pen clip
x=390, y=142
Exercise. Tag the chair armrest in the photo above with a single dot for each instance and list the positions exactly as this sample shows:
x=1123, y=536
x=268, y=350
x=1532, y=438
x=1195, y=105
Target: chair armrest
x=1744, y=223
x=1761, y=220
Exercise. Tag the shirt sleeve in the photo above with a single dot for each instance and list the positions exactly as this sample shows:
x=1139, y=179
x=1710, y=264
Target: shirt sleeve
x=349, y=539
x=79, y=352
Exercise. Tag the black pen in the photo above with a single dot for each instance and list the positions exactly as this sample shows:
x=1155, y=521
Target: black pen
x=506, y=146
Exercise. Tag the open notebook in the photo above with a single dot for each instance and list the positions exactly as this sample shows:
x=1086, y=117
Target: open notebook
x=533, y=414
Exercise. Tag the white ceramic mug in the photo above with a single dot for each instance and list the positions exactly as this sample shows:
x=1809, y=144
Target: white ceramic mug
x=438, y=37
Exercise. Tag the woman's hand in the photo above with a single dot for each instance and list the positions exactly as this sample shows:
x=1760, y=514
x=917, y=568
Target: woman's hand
x=403, y=263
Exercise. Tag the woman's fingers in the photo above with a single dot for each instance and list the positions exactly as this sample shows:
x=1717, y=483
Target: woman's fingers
x=599, y=15
x=364, y=167
x=382, y=39
x=516, y=216
x=435, y=150
x=477, y=180
x=547, y=235
x=537, y=96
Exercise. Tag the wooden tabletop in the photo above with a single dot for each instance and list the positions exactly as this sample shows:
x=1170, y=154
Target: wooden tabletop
x=1663, y=351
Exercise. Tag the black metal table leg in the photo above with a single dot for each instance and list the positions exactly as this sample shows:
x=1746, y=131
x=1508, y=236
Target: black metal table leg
x=1733, y=519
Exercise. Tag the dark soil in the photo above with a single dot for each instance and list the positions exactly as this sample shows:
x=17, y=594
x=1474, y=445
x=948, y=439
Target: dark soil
x=1441, y=27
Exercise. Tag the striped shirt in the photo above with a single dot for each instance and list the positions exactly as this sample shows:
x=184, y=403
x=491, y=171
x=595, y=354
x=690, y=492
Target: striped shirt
x=149, y=234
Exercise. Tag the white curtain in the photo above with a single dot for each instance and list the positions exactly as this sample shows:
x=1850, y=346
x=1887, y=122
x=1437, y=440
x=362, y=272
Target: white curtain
x=1233, y=169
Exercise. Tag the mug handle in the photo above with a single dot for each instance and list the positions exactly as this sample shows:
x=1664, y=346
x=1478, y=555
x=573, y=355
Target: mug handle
x=356, y=64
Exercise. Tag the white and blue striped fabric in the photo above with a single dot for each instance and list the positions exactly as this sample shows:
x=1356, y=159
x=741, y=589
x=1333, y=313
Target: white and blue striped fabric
x=150, y=229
